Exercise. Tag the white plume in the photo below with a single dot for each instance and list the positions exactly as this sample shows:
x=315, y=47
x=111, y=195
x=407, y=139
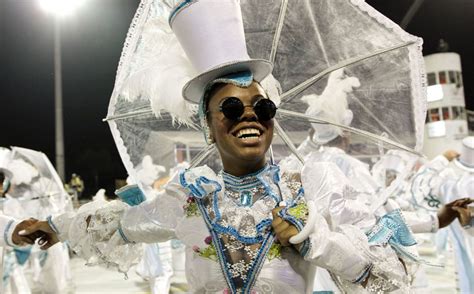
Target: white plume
x=332, y=104
x=23, y=172
x=147, y=172
x=5, y=157
x=99, y=196
x=273, y=88
x=160, y=73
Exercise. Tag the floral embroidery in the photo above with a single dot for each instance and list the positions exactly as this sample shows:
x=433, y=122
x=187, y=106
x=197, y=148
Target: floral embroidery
x=237, y=211
x=299, y=211
x=274, y=252
x=207, y=252
x=239, y=269
x=208, y=240
x=234, y=245
x=191, y=208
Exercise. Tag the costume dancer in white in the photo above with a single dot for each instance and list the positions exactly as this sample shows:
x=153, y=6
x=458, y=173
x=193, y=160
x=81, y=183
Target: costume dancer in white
x=229, y=221
x=14, y=259
x=28, y=196
x=440, y=182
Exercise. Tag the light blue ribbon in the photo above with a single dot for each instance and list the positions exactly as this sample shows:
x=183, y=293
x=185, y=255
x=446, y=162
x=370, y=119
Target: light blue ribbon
x=131, y=194
x=22, y=255
x=392, y=229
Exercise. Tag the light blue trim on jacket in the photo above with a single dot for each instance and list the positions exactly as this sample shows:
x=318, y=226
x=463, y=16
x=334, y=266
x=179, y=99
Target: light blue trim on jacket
x=22, y=254
x=392, y=229
x=178, y=8
x=199, y=193
x=131, y=194
x=122, y=234
x=6, y=232
x=49, y=219
x=298, y=223
x=256, y=266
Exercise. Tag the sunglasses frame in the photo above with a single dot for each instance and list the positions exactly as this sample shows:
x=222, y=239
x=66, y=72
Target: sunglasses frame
x=221, y=109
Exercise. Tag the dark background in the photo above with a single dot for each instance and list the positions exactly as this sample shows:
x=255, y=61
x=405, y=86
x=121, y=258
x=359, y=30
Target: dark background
x=92, y=41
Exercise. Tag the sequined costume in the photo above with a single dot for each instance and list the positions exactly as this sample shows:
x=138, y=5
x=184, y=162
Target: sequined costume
x=225, y=223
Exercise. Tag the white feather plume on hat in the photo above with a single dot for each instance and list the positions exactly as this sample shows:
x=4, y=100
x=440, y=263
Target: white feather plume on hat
x=163, y=70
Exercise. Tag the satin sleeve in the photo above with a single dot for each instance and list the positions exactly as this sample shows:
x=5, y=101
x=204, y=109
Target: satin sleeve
x=154, y=220
x=338, y=239
x=7, y=226
x=335, y=199
x=111, y=232
x=422, y=221
x=434, y=180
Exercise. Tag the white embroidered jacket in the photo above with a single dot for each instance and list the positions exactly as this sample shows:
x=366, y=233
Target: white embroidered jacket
x=225, y=223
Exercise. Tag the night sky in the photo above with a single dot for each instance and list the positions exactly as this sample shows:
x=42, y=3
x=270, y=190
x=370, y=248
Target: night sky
x=92, y=41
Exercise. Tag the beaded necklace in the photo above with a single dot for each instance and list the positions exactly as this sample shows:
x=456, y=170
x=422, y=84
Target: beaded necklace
x=244, y=190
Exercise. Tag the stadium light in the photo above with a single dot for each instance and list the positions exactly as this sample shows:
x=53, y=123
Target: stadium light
x=60, y=7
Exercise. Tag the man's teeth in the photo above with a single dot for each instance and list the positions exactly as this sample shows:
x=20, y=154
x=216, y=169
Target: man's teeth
x=251, y=132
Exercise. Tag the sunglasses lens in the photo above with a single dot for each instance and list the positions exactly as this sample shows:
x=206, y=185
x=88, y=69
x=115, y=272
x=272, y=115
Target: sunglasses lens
x=265, y=109
x=232, y=108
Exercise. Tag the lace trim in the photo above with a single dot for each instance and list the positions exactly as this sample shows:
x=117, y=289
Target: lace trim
x=384, y=275
x=240, y=245
x=222, y=226
x=246, y=272
x=417, y=75
x=131, y=40
x=129, y=46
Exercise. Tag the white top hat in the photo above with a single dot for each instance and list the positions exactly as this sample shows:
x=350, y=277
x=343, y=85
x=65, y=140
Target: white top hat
x=212, y=36
x=467, y=153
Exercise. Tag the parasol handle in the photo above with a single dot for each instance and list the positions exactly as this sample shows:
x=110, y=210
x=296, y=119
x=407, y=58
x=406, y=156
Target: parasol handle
x=309, y=227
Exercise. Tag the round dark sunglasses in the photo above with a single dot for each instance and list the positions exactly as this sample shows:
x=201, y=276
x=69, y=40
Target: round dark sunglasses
x=233, y=108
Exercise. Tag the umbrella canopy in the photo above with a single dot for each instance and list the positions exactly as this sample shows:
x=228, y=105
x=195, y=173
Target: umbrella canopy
x=308, y=42
x=35, y=181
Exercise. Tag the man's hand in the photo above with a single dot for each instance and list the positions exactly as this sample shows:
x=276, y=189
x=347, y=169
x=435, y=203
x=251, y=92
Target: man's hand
x=283, y=229
x=464, y=213
x=21, y=240
x=48, y=236
x=450, y=155
x=455, y=209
